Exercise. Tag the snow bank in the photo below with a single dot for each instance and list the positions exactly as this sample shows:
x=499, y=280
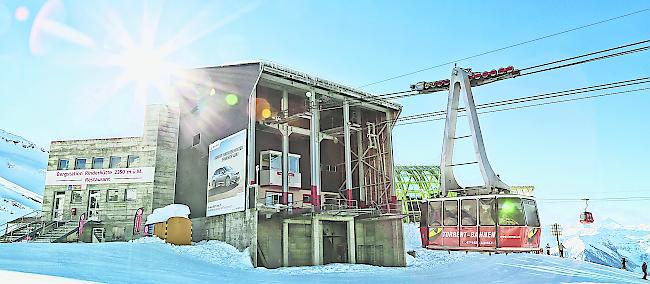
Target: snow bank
x=217, y=252
x=424, y=258
x=171, y=210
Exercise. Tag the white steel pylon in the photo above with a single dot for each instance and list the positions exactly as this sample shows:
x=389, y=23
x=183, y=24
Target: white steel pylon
x=460, y=83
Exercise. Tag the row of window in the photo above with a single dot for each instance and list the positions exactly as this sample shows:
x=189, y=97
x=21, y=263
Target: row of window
x=485, y=212
x=98, y=162
x=112, y=195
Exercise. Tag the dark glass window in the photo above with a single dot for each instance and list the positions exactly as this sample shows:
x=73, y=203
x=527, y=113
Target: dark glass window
x=196, y=140
x=98, y=163
x=132, y=161
x=113, y=195
x=63, y=165
x=468, y=212
x=435, y=213
x=114, y=162
x=77, y=196
x=80, y=163
x=532, y=219
x=451, y=213
x=511, y=212
x=486, y=211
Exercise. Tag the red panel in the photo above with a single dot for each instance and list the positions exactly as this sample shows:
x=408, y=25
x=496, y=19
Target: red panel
x=487, y=236
x=450, y=237
x=512, y=237
x=468, y=236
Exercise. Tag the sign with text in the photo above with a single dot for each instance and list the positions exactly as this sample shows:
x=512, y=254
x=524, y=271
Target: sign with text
x=99, y=176
x=226, y=171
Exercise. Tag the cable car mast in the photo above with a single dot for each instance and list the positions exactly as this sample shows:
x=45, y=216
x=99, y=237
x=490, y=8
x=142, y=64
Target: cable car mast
x=461, y=83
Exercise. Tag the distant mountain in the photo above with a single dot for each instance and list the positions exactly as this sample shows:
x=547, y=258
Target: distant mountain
x=22, y=176
x=606, y=242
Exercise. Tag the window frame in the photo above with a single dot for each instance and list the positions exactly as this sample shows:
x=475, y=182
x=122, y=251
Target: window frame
x=532, y=202
x=432, y=212
x=67, y=165
x=472, y=211
x=72, y=196
x=76, y=163
x=126, y=194
x=108, y=195
x=521, y=206
x=492, y=207
x=112, y=165
x=129, y=162
x=92, y=166
x=444, y=213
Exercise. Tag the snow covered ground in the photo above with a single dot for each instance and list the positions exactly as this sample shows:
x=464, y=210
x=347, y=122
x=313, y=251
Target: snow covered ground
x=22, y=177
x=151, y=261
x=606, y=242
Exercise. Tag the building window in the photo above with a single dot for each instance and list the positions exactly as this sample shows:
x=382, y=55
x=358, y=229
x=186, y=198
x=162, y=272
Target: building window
x=80, y=163
x=132, y=161
x=114, y=162
x=130, y=194
x=77, y=196
x=273, y=198
x=306, y=198
x=113, y=195
x=196, y=140
x=294, y=164
x=63, y=164
x=98, y=163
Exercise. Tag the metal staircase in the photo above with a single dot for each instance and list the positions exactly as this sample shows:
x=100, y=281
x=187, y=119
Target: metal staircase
x=32, y=228
x=55, y=232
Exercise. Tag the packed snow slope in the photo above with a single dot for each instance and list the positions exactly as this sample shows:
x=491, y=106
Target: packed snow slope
x=22, y=176
x=606, y=242
x=152, y=261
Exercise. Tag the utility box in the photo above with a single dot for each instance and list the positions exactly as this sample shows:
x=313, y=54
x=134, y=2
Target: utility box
x=176, y=230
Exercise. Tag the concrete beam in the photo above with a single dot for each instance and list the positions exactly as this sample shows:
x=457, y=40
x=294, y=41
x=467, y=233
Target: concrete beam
x=352, y=247
x=285, y=244
x=316, y=242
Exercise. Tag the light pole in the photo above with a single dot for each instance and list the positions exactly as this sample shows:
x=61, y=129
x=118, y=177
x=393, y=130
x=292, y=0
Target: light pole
x=556, y=230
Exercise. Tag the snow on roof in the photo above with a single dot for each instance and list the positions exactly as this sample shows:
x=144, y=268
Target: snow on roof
x=163, y=214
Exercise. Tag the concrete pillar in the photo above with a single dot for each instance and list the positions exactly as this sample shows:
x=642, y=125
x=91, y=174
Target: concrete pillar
x=348, y=152
x=316, y=241
x=314, y=147
x=361, y=167
x=285, y=149
x=285, y=244
x=352, y=246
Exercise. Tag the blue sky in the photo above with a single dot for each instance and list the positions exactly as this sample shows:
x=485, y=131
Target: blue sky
x=63, y=82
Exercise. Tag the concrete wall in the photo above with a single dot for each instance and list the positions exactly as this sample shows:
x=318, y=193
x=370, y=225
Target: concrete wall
x=380, y=241
x=205, y=113
x=238, y=229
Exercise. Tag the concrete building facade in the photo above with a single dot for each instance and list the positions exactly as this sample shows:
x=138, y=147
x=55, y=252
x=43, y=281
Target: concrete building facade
x=109, y=179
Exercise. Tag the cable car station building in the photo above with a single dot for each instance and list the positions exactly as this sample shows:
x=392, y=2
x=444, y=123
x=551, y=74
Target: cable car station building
x=297, y=168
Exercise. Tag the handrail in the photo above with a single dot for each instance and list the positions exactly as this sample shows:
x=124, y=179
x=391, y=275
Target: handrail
x=6, y=224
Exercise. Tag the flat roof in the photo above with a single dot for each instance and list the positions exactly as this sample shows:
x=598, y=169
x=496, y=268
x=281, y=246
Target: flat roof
x=295, y=75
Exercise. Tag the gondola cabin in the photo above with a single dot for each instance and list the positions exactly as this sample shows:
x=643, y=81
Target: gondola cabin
x=507, y=223
x=586, y=217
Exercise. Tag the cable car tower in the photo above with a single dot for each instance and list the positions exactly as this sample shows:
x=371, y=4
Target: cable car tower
x=476, y=218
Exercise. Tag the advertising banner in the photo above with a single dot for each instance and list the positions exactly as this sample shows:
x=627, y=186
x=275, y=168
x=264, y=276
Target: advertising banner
x=226, y=175
x=99, y=176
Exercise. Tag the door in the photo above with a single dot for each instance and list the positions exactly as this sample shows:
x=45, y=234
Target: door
x=57, y=209
x=93, y=205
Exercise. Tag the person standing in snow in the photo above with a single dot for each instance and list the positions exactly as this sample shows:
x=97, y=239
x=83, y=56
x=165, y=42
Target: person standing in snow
x=624, y=267
x=644, y=267
x=561, y=249
x=548, y=249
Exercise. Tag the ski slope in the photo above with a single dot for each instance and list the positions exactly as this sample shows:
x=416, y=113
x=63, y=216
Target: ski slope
x=151, y=261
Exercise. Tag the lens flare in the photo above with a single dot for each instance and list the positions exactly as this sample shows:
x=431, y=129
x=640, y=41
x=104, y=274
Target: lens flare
x=266, y=113
x=22, y=13
x=232, y=99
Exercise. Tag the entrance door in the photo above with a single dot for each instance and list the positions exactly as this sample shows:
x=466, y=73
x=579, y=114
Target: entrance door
x=93, y=205
x=57, y=209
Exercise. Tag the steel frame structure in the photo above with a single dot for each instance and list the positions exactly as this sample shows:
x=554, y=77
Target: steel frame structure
x=414, y=184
